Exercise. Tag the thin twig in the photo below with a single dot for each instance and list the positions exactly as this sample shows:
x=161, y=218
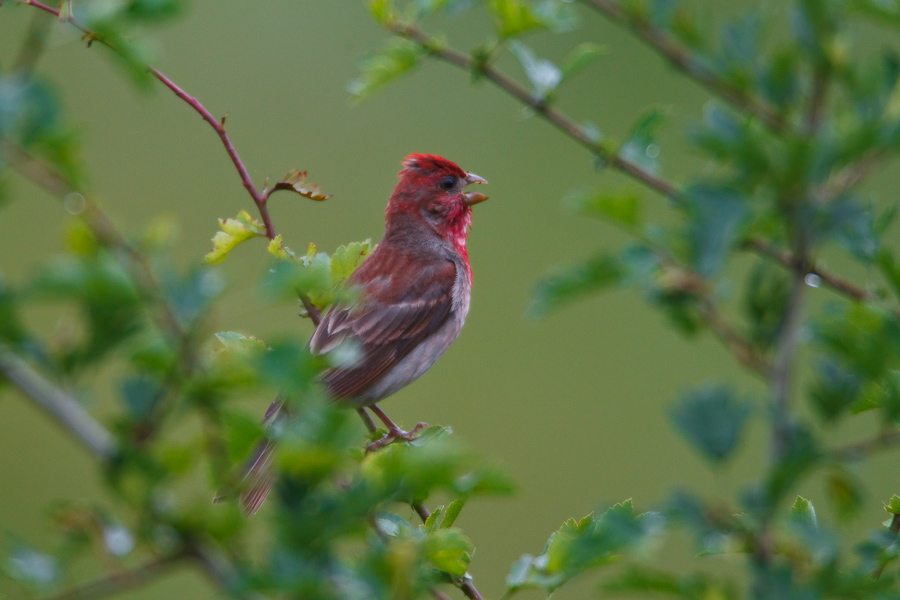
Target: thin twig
x=218, y=126
x=62, y=406
x=839, y=183
x=790, y=260
x=687, y=61
x=465, y=585
x=121, y=581
x=554, y=116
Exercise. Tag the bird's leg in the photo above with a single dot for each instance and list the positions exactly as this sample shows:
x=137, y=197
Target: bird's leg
x=367, y=419
x=394, y=432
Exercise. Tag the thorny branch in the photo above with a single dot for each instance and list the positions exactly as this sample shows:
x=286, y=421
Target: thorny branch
x=218, y=126
x=554, y=116
x=842, y=181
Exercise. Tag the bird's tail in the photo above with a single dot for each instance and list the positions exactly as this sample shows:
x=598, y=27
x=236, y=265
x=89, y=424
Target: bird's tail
x=259, y=476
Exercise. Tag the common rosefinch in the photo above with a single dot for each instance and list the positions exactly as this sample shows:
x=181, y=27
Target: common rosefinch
x=412, y=299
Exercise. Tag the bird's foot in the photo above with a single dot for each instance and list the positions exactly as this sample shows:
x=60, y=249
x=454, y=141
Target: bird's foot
x=395, y=433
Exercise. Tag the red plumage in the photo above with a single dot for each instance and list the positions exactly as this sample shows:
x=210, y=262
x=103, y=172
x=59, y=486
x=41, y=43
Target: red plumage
x=412, y=301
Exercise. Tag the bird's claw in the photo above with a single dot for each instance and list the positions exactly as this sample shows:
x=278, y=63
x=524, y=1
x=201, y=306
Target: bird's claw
x=395, y=433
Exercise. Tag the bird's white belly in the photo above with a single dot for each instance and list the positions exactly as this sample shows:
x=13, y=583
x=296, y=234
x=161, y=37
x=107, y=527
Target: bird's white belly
x=421, y=358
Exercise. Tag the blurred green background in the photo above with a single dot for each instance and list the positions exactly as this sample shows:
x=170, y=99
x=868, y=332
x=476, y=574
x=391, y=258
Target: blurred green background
x=573, y=405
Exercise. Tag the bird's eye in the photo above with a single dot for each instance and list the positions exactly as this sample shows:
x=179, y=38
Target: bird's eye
x=448, y=182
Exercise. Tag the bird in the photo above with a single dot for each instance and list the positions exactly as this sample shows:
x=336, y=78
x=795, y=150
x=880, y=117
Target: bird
x=411, y=299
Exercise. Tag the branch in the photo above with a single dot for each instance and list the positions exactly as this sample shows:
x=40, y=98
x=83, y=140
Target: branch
x=218, y=126
x=68, y=413
x=468, y=588
x=685, y=60
x=839, y=183
x=791, y=261
x=62, y=406
x=554, y=116
x=121, y=581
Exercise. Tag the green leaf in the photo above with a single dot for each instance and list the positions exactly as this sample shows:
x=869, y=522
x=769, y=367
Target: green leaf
x=289, y=277
x=378, y=69
x=152, y=11
x=851, y=224
x=620, y=208
x=242, y=433
x=641, y=146
x=544, y=76
x=716, y=215
x=712, y=419
x=893, y=505
x=580, y=546
x=141, y=395
x=449, y=551
x=234, y=232
x=452, y=512
x=645, y=581
x=346, y=259
x=803, y=511
x=382, y=10
x=566, y=284
x=834, y=390
x=766, y=302
x=581, y=56
x=866, y=338
x=845, y=492
x=434, y=519
x=513, y=17
x=800, y=453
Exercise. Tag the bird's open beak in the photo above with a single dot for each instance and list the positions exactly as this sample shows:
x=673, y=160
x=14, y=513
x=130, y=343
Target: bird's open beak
x=473, y=198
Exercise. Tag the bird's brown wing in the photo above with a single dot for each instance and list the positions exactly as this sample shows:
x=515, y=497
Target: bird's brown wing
x=393, y=315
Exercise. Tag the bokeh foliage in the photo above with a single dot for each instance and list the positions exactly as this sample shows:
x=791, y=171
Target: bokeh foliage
x=797, y=122
x=802, y=112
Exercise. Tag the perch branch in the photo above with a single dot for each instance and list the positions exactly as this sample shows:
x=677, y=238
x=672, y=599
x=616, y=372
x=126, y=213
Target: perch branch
x=466, y=586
